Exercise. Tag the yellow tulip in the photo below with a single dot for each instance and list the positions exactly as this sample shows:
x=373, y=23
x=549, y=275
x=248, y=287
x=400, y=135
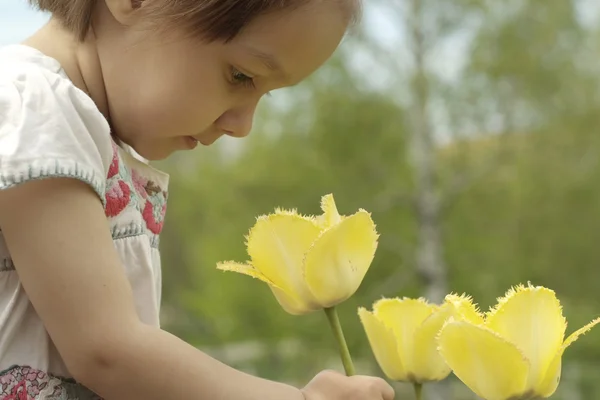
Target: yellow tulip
x=515, y=354
x=310, y=263
x=402, y=334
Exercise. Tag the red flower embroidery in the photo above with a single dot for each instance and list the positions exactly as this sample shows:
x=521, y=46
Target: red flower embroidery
x=114, y=165
x=19, y=392
x=118, y=194
x=151, y=223
x=117, y=198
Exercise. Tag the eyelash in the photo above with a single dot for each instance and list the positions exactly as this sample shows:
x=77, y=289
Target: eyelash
x=239, y=78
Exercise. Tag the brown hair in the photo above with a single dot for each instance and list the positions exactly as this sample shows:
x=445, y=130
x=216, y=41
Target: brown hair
x=211, y=19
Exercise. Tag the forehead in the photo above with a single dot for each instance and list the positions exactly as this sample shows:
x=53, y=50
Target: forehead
x=298, y=41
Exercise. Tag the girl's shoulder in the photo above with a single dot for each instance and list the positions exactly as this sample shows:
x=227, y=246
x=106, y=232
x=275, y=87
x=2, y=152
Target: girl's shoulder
x=48, y=127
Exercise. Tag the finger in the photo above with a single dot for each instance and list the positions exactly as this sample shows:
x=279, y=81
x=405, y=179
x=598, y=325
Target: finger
x=333, y=372
x=387, y=391
x=379, y=386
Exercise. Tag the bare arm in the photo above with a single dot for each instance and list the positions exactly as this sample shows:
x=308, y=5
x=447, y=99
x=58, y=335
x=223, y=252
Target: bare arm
x=59, y=239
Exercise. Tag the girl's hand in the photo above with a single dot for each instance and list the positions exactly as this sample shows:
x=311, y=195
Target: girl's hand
x=330, y=385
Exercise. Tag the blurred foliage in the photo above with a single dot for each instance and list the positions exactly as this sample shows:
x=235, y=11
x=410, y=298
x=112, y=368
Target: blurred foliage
x=518, y=174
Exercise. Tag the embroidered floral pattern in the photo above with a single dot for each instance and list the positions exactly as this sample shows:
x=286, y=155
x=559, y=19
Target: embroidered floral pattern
x=128, y=187
x=25, y=383
x=118, y=193
x=118, y=196
x=154, y=216
x=139, y=182
x=114, y=165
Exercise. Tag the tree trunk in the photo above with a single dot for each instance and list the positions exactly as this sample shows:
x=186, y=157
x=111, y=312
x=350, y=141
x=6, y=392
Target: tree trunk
x=429, y=257
x=429, y=253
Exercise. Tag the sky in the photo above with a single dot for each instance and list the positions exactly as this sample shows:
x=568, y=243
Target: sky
x=17, y=21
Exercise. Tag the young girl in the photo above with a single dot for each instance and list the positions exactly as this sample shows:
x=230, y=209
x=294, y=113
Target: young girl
x=84, y=102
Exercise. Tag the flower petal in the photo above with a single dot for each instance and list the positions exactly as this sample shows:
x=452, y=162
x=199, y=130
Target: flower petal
x=289, y=302
x=330, y=215
x=464, y=308
x=384, y=345
x=277, y=244
x=339, y=259
x=490, y=366
x=292, y=304
x=427, y=363
x=245, y=269
x=552, y=377
x=530, y=318
x=404, y=317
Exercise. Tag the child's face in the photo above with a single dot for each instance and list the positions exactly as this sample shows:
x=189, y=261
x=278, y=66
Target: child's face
x=163, y=92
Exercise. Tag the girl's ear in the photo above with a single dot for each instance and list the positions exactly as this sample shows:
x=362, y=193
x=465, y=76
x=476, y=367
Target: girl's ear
x=125, y=11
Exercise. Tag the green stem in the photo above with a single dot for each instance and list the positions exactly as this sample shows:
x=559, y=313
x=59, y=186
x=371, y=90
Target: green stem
x=338, y=333
x=418, y=390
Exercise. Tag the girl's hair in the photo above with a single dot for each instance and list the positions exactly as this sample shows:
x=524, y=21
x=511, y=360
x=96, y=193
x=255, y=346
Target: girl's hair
x=209, y=19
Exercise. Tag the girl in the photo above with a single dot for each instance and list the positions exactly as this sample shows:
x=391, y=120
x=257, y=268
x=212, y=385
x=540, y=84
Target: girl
x=84, y=102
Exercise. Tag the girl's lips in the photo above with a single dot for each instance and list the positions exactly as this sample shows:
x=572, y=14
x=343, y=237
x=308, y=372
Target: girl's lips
x=205, y=139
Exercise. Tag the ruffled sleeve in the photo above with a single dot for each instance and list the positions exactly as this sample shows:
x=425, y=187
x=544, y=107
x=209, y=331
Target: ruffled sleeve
x=49, y=128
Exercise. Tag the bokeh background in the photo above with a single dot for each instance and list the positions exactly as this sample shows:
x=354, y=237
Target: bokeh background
x=470, y=130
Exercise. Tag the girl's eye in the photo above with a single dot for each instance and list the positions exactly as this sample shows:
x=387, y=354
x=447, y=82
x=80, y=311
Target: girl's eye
x=239, y=78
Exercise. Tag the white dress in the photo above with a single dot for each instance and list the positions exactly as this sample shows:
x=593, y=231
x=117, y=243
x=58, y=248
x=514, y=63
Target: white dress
x=49, y=128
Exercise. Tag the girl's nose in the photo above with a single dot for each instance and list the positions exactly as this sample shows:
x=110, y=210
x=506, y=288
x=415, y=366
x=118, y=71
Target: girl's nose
x=237, y=122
